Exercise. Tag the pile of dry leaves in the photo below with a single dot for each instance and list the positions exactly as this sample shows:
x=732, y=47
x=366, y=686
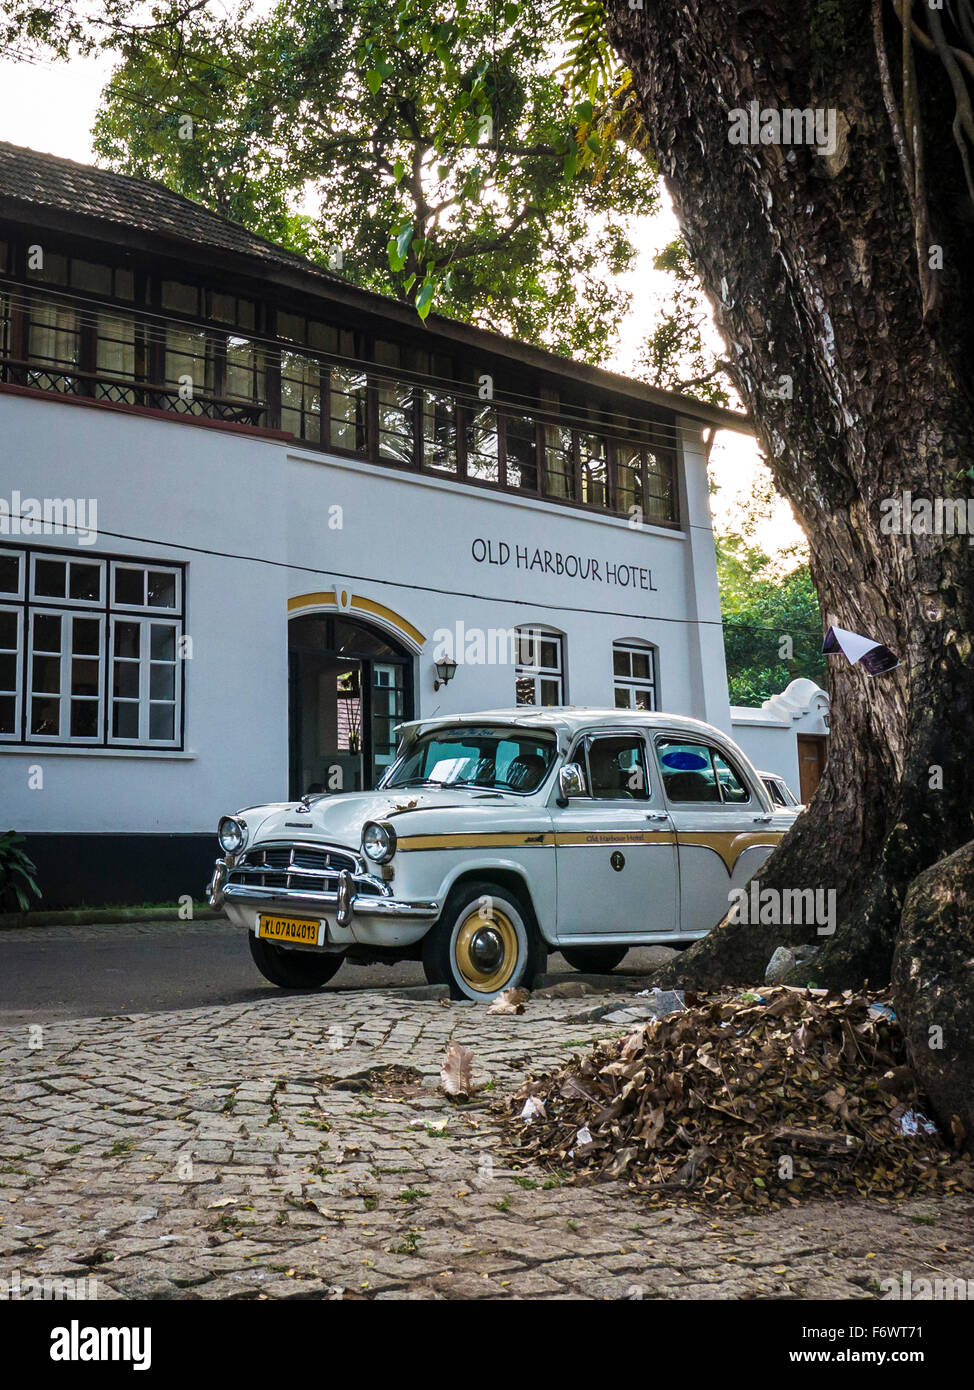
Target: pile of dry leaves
x=753, y=1100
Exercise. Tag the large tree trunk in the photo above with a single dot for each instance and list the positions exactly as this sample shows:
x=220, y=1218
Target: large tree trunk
x=811, y=263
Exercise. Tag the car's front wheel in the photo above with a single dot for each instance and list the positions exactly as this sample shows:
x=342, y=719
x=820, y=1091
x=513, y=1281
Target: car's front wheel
x=484, y=942
x=596, y=960
x=293, y=969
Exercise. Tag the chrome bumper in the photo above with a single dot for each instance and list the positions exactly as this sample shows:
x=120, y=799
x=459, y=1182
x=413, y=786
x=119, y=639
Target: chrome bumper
x=345, y=903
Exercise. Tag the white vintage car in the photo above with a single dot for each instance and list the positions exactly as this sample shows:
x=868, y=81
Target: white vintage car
x=496, y=837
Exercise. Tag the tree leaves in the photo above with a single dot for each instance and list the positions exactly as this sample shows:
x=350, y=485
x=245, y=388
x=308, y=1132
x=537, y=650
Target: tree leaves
x=320, y=131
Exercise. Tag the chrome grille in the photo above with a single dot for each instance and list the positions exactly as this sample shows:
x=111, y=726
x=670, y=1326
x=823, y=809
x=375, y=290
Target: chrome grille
x=300, y=866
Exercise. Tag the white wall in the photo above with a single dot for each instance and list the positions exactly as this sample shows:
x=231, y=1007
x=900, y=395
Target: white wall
x=179, y=490
x=769, y=735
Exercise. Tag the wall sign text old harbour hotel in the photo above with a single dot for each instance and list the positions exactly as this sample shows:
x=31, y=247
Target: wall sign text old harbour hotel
x=569, y=566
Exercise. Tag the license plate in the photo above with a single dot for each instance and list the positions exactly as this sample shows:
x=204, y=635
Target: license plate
x=291, y=929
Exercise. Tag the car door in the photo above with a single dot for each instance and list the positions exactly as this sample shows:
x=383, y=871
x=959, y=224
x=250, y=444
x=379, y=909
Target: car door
x=724, y=832
x=615, y=851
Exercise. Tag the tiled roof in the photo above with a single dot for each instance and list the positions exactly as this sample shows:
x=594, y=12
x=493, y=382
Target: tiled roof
x=45, y=180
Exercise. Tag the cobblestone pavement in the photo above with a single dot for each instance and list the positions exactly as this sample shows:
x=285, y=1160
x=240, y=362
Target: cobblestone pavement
x=242, y=1152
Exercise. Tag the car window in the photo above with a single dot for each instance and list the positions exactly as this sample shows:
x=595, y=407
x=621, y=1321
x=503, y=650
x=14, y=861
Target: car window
x=617, y=768
x=687, y=770
x=733, y=789
x=696, y=772
x=504, y=759
x=775, y=791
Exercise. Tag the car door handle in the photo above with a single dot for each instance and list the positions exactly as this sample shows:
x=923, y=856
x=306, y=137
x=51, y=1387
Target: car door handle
x=657, y=815
x=763, y=820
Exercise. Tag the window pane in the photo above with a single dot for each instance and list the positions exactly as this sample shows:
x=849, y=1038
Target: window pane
x=731, y=786
x=245, y=370
x=629, y=482
x=125, y=680
x=439, y=432
x=47, y=632
x=482, y=444
x=125, y=720
x=84, y=718
x=348, y=410
x=54, y=269
x=46, y=675
x=522, y=457
x=301, y=396
x=162, y=682
x=161, y=721
x=50, y=578
x=54, y=340
x=594, y=470
x=9, y=574
x=85, y=581
x=188, y=354
x=8, y=630
x=616, y=768
x=8, y=711
x=127, y=643
x=524, y=688
x=688, y=773
x=163, y=643
x=396, y=413
x=559, y=467
x=84, y=676
x=660, y=483
x=183, y=298
x=45, y=718
x=85, y=275
x=162, y=589
x=129, y=586
x=620, y=661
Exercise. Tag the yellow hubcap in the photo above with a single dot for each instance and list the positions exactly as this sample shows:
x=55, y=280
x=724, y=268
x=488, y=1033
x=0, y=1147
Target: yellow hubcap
x=486, y=950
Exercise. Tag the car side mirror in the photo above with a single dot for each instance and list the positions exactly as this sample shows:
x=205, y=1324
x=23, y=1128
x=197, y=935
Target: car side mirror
x=571, y=782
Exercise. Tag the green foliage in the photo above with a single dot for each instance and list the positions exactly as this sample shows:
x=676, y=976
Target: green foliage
x=766, y=617
x=675, y=355
x=435, y=147
x=16, y=874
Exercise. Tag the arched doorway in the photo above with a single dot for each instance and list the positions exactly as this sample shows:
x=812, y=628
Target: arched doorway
x=349, y=685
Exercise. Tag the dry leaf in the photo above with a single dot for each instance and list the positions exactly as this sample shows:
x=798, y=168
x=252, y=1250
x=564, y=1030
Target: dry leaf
x=456, y=1073
x=510, y=1002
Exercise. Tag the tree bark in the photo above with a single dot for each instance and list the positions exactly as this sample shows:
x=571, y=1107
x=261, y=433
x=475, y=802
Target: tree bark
x=810, y=260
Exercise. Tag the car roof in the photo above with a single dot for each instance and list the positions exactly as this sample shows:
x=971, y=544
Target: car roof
x=569, y=719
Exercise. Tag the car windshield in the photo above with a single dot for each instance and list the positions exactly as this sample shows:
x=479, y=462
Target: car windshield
x=510, y=760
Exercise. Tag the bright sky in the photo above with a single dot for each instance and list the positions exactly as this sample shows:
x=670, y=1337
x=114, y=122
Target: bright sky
x=51, y=107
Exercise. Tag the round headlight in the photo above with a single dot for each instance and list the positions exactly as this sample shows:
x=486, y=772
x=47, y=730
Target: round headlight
x=379, y=841
x=232, y=834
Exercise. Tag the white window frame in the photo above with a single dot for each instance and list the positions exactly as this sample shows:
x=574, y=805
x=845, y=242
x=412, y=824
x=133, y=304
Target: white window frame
x=28, y=606
x=537, y=672
x=18, y=690
x=631, y=684
x=145, y=622
x=65, y=658
x=54, y=600
x=145, y=606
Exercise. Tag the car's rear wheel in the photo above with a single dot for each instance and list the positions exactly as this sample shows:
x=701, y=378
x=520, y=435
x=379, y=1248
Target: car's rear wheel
x=293, y=969
x=485, y=942
x=595, y=960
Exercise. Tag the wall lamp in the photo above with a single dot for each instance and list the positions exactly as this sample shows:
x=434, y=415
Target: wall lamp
x=445, y=671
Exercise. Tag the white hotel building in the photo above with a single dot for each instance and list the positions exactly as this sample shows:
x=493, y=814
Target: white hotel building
x=294, y=492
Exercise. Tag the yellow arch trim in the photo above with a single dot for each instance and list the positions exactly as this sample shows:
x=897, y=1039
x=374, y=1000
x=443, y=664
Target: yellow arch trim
x=329, y=599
